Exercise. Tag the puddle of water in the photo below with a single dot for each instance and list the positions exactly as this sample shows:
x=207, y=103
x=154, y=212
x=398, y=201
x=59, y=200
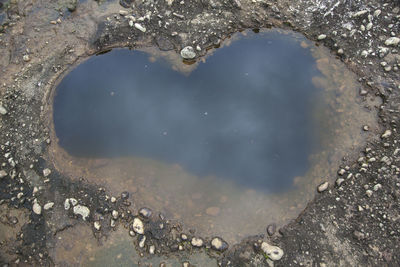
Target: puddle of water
x=227, y=146
x=244, y=115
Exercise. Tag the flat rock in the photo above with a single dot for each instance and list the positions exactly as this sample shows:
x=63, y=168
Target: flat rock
x=82, y=210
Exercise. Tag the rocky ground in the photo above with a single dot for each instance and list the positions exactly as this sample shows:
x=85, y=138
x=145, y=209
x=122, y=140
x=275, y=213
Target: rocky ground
x=355, y=221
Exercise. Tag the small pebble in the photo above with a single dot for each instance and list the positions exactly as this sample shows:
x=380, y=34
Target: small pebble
x=140, y=27
x=387, y=134
x=219, y=244
x=3, y=174
x=271, y=229
x=37, y=208
x=48, y=206
x=197, y=242
x=3, y=111
x=322, y=187
x=273, y=252
x=97, y=225
x=46, y=172
x=138, y=226
x=145, y=212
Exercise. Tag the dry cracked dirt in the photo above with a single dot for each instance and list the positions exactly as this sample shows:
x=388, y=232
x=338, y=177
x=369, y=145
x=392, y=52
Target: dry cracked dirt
x=355, y=221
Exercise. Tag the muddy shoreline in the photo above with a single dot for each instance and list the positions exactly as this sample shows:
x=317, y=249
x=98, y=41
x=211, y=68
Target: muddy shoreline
x=355, y=222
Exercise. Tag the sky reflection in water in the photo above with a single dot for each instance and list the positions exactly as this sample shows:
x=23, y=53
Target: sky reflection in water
x=245, y=114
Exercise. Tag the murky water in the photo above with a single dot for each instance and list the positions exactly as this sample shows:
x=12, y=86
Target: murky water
x=116, y=250
x=244, y=115
x=226, y=145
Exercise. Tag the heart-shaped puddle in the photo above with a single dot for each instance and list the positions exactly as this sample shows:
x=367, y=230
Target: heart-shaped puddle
x=248, y=133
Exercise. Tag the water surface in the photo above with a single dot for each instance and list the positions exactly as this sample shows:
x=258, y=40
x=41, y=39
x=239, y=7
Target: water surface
x=245, y=114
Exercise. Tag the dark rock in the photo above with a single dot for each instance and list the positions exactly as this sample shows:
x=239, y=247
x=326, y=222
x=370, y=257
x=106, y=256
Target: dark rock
x=126, y=3
x=271, y=229
x=124, y=195
x=145, y=212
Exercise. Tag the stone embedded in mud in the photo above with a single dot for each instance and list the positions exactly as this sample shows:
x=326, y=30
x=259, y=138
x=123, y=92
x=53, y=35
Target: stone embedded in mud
x=219, y=244
x=392, y=41
x=142, y=240
x=184, y=237
x=271, y=229
x=37, y=209
x=360, y=13
x=188, y=52
x=73, y=201
x=339, y=181
x=67, y=205
x=145, y=212
x=97, y=225
x=321, y=37
x=3, y=111
x=197, y=242
x=273, y=252
x=114, y=214
x=82, y=210
x=387, y=134
x=140, y=27
x=124, y=195
x=322, y=187
x=46, y=172
x=138, y=226
x=123, y=12
x=3, y=173
x=152, y=249
x=48, y=205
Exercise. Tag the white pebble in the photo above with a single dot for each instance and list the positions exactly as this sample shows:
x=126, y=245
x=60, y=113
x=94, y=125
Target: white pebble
x=273, y=252
x=48, y=206
x=138, y=226
x=322, y=187
x=37, y=208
